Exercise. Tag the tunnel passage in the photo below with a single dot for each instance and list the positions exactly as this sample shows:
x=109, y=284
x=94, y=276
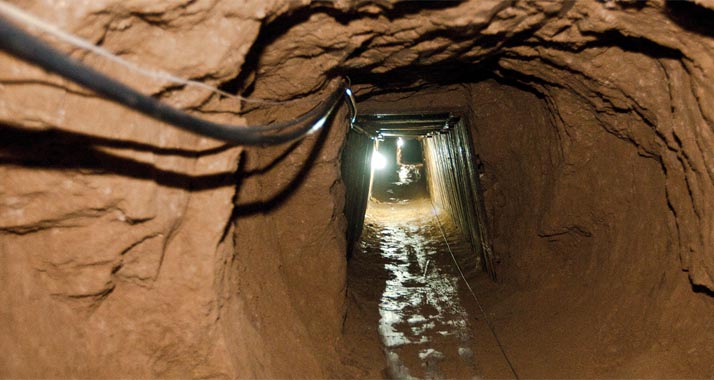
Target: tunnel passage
x=560, y=235
x=163, y=254
x=414, y=155
x=424, y=235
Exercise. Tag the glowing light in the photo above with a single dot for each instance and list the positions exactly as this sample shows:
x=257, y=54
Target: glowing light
x=379, y=162
x=400, y=142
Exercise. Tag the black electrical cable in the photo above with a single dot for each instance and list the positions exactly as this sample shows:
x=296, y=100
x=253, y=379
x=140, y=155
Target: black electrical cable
x=17, y=42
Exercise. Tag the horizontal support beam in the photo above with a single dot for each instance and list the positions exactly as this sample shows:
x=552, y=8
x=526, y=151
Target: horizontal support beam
x=388, y=134
x=441, y=117
x=395, y=125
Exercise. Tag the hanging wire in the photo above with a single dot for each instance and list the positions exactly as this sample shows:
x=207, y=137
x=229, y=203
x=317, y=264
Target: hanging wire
x=351, y=102
x=21, y=44
x=478, y=302
x=17, y=14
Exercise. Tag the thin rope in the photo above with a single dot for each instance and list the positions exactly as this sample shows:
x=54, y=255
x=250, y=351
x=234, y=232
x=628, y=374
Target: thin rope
x=20, y=15
x=483, y=312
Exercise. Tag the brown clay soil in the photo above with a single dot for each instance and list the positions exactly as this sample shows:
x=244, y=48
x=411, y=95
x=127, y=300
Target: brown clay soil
x=410, y=314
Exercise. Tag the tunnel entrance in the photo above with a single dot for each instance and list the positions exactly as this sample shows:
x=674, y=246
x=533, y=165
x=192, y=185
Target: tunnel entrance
x=399, y=157
x=413, y=178
x=573, y=259
x=398, y=170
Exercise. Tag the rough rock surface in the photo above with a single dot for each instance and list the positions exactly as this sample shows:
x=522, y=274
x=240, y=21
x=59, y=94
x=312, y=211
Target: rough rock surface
x=135, y=250
x=643, y=68
x=581, y=222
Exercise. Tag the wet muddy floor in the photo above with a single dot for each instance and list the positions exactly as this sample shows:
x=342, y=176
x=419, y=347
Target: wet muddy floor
x=404, y=280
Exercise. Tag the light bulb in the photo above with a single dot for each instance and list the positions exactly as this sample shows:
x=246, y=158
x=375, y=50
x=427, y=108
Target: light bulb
x=379, y=162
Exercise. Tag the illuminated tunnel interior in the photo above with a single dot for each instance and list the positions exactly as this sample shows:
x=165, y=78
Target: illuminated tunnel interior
x=475, y=252
x=221, y=189
x=423, y=223
x=414, y=156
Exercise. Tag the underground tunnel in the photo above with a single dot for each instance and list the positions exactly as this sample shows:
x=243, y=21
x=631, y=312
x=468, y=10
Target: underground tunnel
x=520, y=189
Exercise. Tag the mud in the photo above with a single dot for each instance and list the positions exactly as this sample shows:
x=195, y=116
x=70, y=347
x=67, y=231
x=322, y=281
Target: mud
x=429, y=324
x=423, y=326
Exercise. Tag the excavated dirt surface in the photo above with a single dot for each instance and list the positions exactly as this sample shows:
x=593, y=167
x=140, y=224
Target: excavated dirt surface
x=411, y=315
x=409, y=318
x=404, y=285
x=556, y=334
x=131, y=249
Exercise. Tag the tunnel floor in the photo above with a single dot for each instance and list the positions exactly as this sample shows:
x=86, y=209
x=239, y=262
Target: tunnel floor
x=404, y=280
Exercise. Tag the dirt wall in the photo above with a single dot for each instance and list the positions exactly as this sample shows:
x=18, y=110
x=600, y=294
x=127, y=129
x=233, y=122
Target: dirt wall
x=123, y=252
x=286, y=271
x=581, y=225
x=117, y=240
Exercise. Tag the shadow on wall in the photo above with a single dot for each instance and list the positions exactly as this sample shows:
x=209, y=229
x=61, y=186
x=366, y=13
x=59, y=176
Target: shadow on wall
x=63, y=150
x=289, y=188
x=691, y=16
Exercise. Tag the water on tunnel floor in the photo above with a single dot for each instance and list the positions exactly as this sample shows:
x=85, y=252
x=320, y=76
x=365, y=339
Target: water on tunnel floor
x=424, y=327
